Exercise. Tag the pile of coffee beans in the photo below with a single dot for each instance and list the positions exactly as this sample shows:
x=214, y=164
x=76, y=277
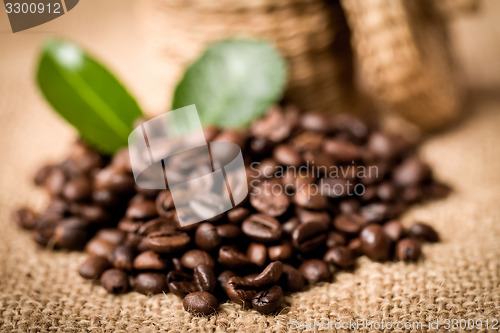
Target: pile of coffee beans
x=313, y=208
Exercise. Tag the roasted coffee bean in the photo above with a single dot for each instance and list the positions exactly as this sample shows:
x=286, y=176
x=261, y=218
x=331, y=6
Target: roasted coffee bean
x=25, y=218
x=412, y=194
x=55, y=181
x=93, y=267
x=307, y=141
x=93, y=214
x=340, y=256
x=112, y=235
x=308, y=237
x=200, y=303
x=71, y=233
x=240, y=291
x=269, y=300
x=150, y=283
x=224, y=277
x=193, y=258
x=375, y=243
x=129, y=226
x=206, y=237
x=167, y=241
x=114, y=180
x=394, y=229
x=204, y=278
x=351, y=127
x=275, y=126
x=335, y=239
x=315, y=122
x=228, y=231
x=268, y=198
x=260, y=146
x=307, y=216
x=376, y=212
x=141, y=210
x=122, y=257
x=280, y=252
x=42, y=174
x=310, y=197
x=150, y=260
x=315, y=270
x=164, y=202
x=408, y=249
x=270, y=275
x=262, y=228
x=349, y=206
x=100, y=247
x=231, y=258
x=350, y=224
x=423, y=232
x=341, y=150
x=411, y=172
x=336, y=187
x=235, y=136
x=289, y=226
x=387, y=191
x=285, y=154
x=159, y=224
x=115, y=281
x=381, y=146
x=292, y=279
x=257, y=253
x=237, y=215
x=355, y=246
x=293, y=180
x=44, y=235
x=121, y=161
x=180, y=283
x=267, y=168
x=77, y=189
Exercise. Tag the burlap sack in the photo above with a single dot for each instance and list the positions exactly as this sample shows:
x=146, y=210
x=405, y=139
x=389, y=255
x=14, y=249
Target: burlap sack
x=40, y=290
x=312, y=35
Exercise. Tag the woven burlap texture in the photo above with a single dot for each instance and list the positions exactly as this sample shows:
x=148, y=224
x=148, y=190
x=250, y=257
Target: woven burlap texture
x=40, y=290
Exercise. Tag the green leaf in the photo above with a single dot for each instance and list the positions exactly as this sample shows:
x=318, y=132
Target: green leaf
x=233, y=82
x=87, y=95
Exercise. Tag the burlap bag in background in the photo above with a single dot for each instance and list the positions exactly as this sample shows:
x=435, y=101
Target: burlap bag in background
x=40, y=290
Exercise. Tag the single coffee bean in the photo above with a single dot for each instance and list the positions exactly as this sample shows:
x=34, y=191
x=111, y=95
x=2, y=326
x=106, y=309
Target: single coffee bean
x=351, y=127
x=423, y=232
x=112, y=235
x=93, y=214
x=150, y=260
x=44, y=235
x=270, y=275
x=115, y=281
x=159, y=224
x=206, y=237
x=224, y=277
x=308, y=237
x=411, y=172
x=310, y=197
x=262, y=228
x=77, y=189
x=335, y=239
x=375, y=243
x=237, y=215
x=42, y=174
x=150, y=283
x=394, y=229
x=193, y=258
x=341, y=150
x=269, y=198
x=280, y=252
x=275, y=126
x=340, y=256
x=382, y=146
x=200, y=303
x=269, y=300
x=240, y=291
x=387, y=191
x=164, y=202
x=284, y=154
x=315, y=270
x=350, y=224
x=71, y=233
x=25, y=218
x=115, y=180
x=292, y=279
x=204, y=278
x=260, y=146
x=315, y=122
x=141, y=210
x=228, y=231
x=308, y=141
x=180, y=283
x=306, y=216
x=408, y=249
x=355, y=246
x=231, y=258
x=376, y=212
x=349, y=206
x=129, y=226
x=93, y=267
x=257, y=253
x=55, y=181
x=267, y=168
x=122, y=257
x=289, y=226
x=105, y=198
x=100, y=247
x=168, y=241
